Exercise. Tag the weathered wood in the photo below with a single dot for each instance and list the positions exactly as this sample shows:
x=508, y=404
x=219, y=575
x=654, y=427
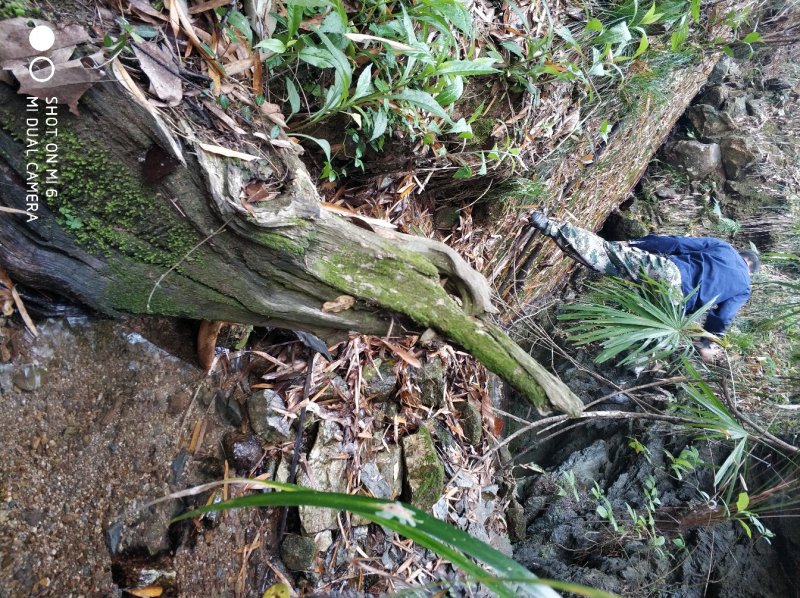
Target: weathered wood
x=186, y=245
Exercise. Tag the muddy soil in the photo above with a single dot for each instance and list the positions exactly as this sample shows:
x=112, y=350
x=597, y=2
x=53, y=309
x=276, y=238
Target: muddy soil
x=102, y=429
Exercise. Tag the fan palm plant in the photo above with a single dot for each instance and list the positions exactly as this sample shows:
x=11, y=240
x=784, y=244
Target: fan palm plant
x=640, y=321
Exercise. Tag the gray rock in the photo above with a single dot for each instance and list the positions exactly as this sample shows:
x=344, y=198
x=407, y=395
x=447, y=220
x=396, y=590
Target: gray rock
x=709, y=122
x=737, y=154
x=446, y=217
x=383, y=476
x=587, y=464
x=243, y=451
x=720, y=71
x=228, y=409
x=146, y=530
x=430, y=380
x=336, y=389
x=749, y=191
x=325, y=472
x=714, y=95
x=699, y=159
x=516, y=521
x=28, y=378
x=736, y=107
x=298, y=552
x=777, y=84
x=266, y=419
x=424, y=470
x=471, y=422
x=380, y=382
x=755, y=107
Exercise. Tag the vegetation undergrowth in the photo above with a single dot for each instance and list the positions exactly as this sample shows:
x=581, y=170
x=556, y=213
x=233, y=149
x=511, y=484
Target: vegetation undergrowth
x=635, y=321
x=509, y=579
x=638, y=323
x=354, y=77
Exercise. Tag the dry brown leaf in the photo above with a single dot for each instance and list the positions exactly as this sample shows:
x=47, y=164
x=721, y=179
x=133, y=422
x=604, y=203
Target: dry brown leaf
x=341, y=303
x=406, y=356
x=258, y=74
x=273, y=112
x=155, y=61
x=207, y=342
x=206, y=6
x=143, y=8
x=11, y=289
x=174, y=16
x=146, y=592
x=224, y=151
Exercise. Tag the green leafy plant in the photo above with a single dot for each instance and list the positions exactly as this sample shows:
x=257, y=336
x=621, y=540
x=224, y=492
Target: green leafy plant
x=636, y=320
x=508, y=580
x=604, y=508
x=685, y=462
x=569, y=485
x=384, y=67
x=712, y=416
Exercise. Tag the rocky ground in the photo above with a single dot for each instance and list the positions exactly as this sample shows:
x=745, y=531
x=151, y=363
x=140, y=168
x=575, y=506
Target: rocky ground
x=97, y=421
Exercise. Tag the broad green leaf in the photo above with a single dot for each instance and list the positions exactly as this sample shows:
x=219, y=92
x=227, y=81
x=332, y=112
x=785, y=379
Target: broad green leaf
x=754, y=37
x=462, y=173
x=513, y=48
x=273, y=45
x=364, y=83
x=565, y=34
x=451, y=93
x=408, y=26
x=323, y=143
x=594, y=25
x=679, y=37
x=617, y=34
x=146, y=31
x=746, y=528
x=379, y=123
x=423, y=100
x=478, y=66
x=695, y=9
x=644, y=43
x=602, y=511
x=333, y=24
x=239, y=22
x=460, y=127
x=510, y=579
x=455, y=12
x=294, y=96
x=340, y=61
x=742, y=502
x=294, y=16
x=318, y=57
x=650, y=16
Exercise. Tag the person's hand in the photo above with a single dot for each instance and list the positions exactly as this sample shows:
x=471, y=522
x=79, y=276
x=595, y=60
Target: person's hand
x=710, y=353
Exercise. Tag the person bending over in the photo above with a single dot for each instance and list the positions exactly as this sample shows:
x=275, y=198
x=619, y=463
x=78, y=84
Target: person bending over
x=719, y=273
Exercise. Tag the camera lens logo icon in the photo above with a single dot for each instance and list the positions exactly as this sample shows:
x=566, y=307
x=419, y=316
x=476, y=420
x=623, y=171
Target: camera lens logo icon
x=42, y=38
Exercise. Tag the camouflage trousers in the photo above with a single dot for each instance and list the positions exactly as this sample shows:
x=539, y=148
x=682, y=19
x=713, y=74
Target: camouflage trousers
x=612, y=258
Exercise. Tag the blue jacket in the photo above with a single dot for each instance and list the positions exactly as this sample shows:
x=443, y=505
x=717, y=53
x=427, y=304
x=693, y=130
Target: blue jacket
x=711, y=266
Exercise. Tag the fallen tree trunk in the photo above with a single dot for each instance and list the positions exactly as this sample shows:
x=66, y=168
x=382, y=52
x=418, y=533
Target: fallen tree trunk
x=115, y=229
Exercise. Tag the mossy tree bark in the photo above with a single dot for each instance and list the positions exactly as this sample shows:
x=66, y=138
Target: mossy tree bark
x=187, y=245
